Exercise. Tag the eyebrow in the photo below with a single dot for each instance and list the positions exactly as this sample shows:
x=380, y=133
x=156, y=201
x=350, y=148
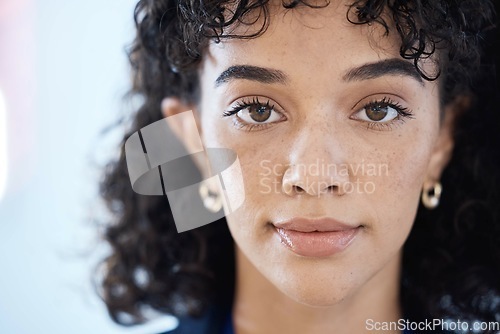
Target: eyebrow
x=393, y=66
x=255, y=73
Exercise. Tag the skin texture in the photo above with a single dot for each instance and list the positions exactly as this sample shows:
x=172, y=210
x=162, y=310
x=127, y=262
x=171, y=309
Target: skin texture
x=318, y=122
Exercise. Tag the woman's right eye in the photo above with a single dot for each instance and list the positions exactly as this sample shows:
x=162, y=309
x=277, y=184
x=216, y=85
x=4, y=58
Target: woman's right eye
x=255, y=113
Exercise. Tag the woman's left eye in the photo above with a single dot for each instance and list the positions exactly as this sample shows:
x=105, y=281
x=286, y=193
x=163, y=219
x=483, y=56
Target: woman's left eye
x=383, y=111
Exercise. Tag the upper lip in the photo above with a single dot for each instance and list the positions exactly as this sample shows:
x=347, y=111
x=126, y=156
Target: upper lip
x=314, y=225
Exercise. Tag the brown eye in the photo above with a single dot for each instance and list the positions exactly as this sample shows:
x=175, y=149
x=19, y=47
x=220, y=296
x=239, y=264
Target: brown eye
x=383, y=112
x=376, y=112
x=259, y=113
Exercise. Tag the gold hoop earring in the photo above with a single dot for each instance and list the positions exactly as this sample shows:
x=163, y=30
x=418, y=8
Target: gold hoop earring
x=211, y=200
x=431, y=194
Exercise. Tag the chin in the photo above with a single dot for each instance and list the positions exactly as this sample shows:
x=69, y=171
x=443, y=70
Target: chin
x=318, y=299
x=313, y=291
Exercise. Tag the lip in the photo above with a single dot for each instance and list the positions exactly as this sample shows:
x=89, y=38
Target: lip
x=316, y=237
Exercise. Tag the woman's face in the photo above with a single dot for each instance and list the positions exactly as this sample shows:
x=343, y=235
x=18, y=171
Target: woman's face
x=335, y=135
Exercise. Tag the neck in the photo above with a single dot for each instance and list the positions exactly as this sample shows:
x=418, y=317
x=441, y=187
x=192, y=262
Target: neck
x=260, y=307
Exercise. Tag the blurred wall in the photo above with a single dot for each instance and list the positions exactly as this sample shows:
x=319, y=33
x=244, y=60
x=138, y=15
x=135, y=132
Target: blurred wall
x=63, y=72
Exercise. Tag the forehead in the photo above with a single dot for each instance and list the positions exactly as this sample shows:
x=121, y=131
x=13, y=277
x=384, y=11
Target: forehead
x=323, y=38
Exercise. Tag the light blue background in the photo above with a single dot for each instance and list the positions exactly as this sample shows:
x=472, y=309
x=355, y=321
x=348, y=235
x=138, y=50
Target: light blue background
x=48, y=240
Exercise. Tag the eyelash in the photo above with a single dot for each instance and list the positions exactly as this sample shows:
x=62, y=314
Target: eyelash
x=403, y=113
x=240, y=105
x=243, y=104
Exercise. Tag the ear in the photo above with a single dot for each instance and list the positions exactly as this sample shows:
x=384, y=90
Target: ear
x=443, y=148
x=183, y=127
x=186, y=130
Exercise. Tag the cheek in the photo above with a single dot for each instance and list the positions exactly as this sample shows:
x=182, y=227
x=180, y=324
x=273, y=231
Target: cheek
x=261, y=187
x=409, y=167
x=391, y=208
x=241, y=184
x=402, y=176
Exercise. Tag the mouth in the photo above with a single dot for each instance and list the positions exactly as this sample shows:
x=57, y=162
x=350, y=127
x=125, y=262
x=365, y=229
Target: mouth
x=316, y=237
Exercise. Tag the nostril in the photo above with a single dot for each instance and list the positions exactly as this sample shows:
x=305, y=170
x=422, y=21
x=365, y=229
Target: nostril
x=298, y=189
x=332, y=189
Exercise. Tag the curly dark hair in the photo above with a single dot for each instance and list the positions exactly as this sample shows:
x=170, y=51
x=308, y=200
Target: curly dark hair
x=451, y=264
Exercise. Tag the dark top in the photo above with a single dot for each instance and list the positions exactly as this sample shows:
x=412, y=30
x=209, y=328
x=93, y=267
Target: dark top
x=214, y=321
x=219, y=321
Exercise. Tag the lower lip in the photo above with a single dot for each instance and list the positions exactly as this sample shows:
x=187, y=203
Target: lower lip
x=317, y=244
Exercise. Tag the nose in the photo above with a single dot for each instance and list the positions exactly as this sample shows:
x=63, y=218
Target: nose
x=314, y=179
x=317, y=166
